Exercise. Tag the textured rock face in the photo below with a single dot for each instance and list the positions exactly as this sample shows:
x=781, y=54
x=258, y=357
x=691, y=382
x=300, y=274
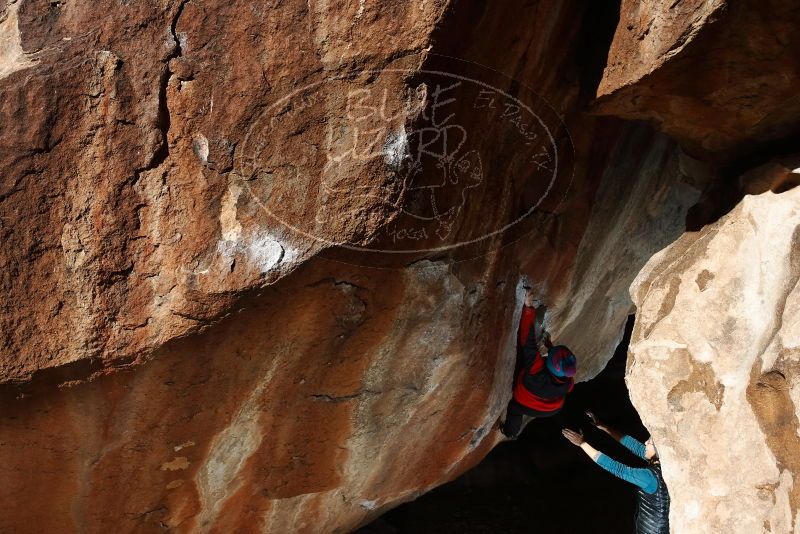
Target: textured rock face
x=261, y=265
x=119, y=134
x=717, y=330
x=743, y=60
x=190, y=337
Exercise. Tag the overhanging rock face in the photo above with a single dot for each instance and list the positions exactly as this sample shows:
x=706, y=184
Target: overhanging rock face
x=127, y=145
x=717, y=328
x=195, y=335
x=719, y=76
x=261, y=265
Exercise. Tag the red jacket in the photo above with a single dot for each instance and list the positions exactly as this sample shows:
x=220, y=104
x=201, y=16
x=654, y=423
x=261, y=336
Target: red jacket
x=549, y=395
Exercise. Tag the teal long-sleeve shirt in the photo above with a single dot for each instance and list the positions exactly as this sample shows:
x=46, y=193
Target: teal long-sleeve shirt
x=638, y=476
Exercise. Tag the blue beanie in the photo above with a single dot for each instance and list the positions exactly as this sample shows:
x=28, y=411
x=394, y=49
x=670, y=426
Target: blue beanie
x=561, y=362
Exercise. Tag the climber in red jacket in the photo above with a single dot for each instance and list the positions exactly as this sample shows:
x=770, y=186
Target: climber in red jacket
x=543, y=380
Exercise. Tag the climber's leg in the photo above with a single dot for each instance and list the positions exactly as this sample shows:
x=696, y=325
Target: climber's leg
x=514, y=418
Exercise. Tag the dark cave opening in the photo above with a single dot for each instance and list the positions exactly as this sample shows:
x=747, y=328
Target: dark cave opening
x=540, y=482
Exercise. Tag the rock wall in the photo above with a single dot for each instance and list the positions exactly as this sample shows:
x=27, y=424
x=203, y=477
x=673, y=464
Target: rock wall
x=742, y=56
x=212, y=319
x=712, y=359
x=261, y=264
x=123, y=206
x=717, y=328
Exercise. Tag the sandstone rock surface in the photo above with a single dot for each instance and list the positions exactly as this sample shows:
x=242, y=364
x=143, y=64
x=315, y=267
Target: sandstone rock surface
x=722, y=77
x=714, y=368
x=261, y=264
x=204, y=325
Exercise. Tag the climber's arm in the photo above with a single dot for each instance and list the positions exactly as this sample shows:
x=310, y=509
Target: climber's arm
x=634, y=445
x=619, y=436
x=590, y=451
x=548, y=344
x=576, y=438
x=526, y=320
x=642, y=478
x=527, y=335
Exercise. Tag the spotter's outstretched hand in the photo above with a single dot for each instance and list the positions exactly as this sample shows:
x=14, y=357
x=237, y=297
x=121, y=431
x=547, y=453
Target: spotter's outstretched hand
x=576, y=438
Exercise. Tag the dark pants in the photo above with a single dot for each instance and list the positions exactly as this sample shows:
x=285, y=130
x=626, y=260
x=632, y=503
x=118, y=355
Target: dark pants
x=515, y=415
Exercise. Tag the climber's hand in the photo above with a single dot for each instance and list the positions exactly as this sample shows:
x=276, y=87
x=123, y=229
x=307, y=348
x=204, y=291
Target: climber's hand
x=530, y=298
x=596, y=422
x=593, y=419
x=576, y=438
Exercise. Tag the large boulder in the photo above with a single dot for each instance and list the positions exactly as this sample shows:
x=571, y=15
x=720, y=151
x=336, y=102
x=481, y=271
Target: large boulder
x=721, y=77
x=714, y=367
x=247, y=285
x=261, y=265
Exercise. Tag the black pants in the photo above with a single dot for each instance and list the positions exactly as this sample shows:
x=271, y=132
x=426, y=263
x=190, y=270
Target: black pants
x=515, y=414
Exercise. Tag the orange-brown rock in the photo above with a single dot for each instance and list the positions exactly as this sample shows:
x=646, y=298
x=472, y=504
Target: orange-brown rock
x=722, y=77
x=262, y=264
